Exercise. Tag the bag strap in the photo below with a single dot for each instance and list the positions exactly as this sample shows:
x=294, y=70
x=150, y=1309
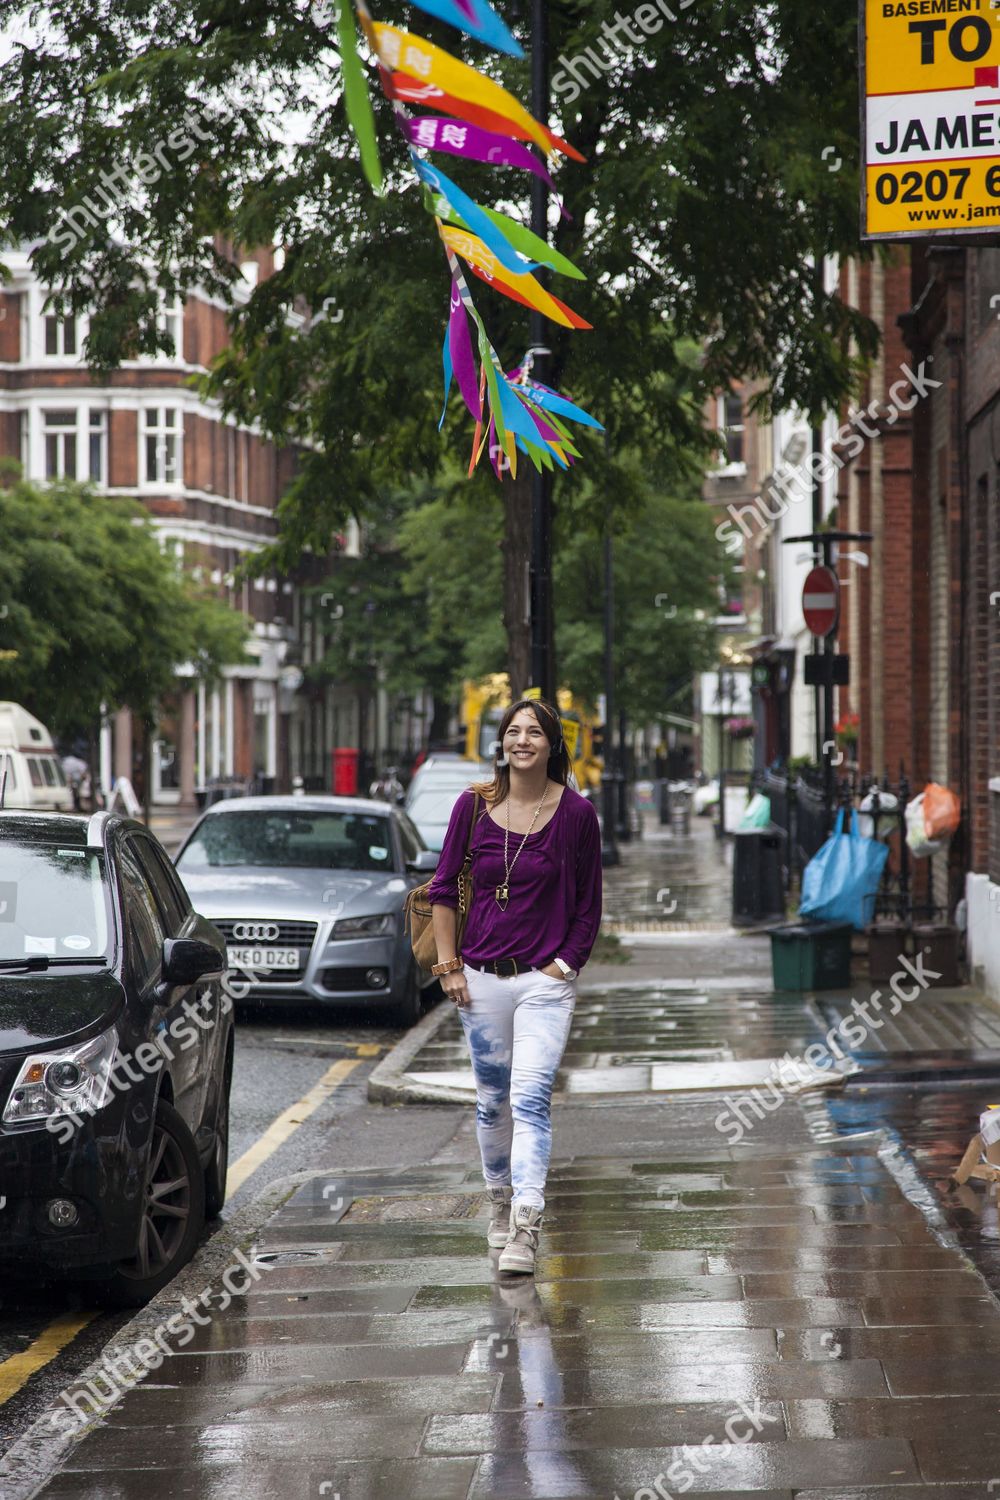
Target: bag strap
x=838, y=827
x=466, y=869
x=472, y=829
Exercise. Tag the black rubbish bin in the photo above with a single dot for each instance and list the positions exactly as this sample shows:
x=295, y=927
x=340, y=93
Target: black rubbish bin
x=758, y=883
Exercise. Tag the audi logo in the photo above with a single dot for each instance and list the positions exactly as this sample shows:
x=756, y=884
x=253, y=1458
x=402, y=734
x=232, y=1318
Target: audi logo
x=256, y=932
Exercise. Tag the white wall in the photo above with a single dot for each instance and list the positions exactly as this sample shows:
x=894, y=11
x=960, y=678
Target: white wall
x=983, y=934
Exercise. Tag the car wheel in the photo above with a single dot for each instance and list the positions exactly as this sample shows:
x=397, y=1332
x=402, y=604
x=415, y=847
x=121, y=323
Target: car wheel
x=218, y=1168
x=174, y=1214
x=407, y=1011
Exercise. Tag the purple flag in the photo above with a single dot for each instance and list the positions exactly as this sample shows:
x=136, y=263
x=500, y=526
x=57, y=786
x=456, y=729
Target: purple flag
x=435, y=133
x=462, y=358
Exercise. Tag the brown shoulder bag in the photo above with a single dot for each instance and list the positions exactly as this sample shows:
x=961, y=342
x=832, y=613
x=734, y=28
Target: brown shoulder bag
x=417, y=907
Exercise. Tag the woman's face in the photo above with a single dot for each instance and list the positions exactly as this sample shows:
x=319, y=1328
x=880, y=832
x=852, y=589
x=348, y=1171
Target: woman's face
x=525, y=744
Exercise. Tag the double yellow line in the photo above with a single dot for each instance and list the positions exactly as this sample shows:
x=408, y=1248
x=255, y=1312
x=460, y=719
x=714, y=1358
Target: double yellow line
x=18, y=1369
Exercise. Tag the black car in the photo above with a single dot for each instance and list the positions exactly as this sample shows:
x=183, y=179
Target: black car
x=116, y=1054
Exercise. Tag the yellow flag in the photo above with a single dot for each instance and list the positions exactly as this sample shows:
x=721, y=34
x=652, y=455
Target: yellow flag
x=402, y=52
x=472, y=249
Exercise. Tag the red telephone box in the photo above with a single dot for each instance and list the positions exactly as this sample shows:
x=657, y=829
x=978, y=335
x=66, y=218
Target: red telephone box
x=345, y=772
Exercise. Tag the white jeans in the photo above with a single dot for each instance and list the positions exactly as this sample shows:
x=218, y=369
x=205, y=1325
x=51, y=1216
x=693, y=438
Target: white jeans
x=516, y=1030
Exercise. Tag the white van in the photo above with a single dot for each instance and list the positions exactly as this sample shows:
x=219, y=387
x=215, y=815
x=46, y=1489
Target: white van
x=35, y=778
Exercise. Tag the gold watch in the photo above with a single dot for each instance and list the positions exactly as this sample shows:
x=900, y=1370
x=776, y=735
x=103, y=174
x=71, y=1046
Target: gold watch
x=448, y=967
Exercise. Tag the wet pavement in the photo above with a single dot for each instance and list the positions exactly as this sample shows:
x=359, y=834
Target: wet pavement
x=668, y=880
x=758, y=1319
x=732, y=1032
x=798, y=1308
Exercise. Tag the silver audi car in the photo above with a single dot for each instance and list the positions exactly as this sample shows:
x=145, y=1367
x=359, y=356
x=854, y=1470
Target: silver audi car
x=308, y=893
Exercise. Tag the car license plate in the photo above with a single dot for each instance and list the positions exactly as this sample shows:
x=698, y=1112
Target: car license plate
x=259, y=958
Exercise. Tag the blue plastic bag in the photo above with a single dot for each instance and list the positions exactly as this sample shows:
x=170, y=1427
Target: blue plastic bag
x=841, y=880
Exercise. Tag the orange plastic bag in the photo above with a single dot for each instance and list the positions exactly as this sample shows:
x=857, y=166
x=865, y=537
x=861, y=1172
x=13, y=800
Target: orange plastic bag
x=942, y=811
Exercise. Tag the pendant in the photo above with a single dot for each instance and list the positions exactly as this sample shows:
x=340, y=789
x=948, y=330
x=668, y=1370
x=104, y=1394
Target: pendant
x=502, y=896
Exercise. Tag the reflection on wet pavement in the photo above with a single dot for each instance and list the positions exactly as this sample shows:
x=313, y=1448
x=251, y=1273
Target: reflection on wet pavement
x=768, y=1320
x=668, y=879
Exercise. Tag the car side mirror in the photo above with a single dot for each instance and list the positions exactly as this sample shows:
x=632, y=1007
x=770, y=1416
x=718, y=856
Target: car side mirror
x=186, y=960
x=425, y=861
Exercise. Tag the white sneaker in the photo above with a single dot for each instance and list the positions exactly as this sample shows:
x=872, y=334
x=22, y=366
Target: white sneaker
x=496, y=1235
x=522, y=1240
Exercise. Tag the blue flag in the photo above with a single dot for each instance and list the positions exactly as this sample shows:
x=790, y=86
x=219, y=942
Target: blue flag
x=477, y=18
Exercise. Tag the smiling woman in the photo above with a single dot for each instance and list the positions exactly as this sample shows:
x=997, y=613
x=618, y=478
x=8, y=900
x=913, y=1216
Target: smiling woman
x=534, y=915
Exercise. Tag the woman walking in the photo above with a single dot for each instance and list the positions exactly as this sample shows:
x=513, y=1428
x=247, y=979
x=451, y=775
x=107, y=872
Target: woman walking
x=535, y=848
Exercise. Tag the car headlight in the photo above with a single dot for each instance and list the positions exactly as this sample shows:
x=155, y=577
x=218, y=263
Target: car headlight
x=64, y=1080
x=360, y=927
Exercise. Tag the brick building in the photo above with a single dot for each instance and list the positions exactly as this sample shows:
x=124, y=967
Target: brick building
x=922, y=625
x=212, y=488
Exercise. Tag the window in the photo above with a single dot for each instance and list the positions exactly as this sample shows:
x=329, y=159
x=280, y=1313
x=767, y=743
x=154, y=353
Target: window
x=289, y=841
x=143, y=926
x=60, y=336
x=731, y=422
x=173, y=906
x=34, y=772
x=162, y=445
x=408, y=837
x=987, y=274
x=60, y=443
x=170, y=320
x=97, y=445
x=57, y=904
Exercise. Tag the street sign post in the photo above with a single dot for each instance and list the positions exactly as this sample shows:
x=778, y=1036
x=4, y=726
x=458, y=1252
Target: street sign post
x=930, y=127
x=827, y=669
x=821, y=601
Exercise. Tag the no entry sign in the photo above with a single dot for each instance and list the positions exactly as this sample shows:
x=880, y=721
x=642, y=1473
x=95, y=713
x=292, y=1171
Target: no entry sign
x=821, y=601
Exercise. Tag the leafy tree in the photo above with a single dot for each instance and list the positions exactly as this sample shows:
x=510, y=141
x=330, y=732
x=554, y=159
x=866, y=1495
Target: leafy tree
x=704, y=195
x=421, y=602
x=93, y=611
x=703, y=200
x=666, y=583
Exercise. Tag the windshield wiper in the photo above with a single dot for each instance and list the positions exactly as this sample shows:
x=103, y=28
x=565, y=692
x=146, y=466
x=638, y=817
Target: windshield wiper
x=36, y=962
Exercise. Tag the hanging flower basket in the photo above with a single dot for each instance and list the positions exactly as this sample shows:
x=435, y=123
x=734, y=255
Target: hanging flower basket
x=846, y=729
x=740, y=729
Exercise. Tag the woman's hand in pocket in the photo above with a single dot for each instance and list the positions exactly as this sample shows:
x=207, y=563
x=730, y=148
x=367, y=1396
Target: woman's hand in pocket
x=553, y=971
x=456, y=989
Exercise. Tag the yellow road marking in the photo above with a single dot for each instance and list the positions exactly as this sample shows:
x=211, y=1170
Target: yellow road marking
x=372, y=1049
x=287, y=1123
x=16, y=1370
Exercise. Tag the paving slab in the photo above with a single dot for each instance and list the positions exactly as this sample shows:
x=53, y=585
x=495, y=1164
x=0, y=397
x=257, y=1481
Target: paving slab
x=861, y=1362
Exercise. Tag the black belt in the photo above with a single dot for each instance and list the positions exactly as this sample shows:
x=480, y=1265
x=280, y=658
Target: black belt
x=507, y=968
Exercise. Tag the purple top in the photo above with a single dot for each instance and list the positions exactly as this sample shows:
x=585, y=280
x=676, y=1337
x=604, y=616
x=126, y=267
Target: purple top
x=554, y=908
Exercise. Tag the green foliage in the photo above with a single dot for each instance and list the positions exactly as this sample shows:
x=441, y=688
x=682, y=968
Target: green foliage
x=704, y=196
x=427, y=613
x=666, y=571
x=420, y=602
x=95, y=612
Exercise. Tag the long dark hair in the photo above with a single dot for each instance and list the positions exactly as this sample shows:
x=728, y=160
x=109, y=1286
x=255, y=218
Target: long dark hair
x=559, y=762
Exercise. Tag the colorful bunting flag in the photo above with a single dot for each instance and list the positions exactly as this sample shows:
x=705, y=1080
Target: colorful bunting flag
x=513, y=414
x=477, y=18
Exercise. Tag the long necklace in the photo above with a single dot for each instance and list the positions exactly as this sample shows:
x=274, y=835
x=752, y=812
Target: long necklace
x=502, y=892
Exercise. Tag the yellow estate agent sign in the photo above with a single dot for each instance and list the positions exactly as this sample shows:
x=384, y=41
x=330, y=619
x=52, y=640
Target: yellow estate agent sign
x=931, y=112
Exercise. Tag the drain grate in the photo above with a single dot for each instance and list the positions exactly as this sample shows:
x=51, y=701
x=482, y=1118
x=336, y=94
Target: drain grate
x=383, y=1210
x=293, y=1256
